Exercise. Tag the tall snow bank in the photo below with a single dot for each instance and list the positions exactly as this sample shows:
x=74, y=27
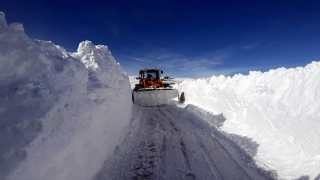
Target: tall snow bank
x=61, y=113
x=278, y=109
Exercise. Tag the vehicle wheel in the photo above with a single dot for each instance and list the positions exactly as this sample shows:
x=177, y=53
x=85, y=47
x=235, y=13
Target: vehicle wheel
x=182, y=98
x=136, y=88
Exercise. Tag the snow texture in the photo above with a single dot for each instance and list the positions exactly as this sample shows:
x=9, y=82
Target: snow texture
x=278, y=109
x=59, y=111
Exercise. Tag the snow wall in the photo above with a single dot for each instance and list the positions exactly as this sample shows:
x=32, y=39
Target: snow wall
x=278, y=109
x=61, y=113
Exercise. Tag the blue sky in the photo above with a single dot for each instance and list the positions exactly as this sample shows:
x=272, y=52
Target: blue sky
x=183, y=38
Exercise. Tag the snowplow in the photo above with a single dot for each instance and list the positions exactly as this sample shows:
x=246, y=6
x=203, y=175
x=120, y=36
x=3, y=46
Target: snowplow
x=153, y=90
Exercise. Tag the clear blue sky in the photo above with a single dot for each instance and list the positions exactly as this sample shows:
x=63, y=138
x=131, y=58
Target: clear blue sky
x=184, y=38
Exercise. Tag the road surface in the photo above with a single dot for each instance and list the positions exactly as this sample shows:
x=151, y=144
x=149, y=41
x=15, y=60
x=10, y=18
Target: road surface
x=162, y=145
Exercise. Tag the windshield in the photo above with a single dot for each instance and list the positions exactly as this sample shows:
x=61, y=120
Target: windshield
x=150, y=74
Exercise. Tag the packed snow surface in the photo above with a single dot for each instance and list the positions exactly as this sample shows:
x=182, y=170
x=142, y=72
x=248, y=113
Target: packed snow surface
x=174, y=142
x=59, y=111
x=278, y=109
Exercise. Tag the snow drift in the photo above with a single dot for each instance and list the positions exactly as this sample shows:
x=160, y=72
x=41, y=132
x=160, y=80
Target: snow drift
x=278, y=109
x=59, y=111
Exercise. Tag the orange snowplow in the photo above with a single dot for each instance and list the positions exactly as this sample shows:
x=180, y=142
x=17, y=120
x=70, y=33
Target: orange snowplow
x=159, y=89
x=151, y=78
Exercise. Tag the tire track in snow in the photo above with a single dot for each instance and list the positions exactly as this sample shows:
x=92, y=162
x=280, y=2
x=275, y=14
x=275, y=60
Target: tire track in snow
x=215, y=171
x=235, y=155
x=151, y=148
x=209, y=160
x=185, y=156
x=241, y=171
x=185, y=160
x=214, y=166
x=234, y=163
x=161, y=145
x=186, y=163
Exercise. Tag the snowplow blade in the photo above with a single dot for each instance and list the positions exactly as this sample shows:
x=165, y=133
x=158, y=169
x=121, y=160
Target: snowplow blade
x=153, y=97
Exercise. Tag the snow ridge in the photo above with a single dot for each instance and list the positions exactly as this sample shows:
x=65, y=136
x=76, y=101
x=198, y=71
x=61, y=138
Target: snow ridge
x=278, y=109
x=59, y=116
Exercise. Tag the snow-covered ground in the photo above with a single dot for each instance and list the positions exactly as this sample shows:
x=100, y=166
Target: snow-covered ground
x=69, y=115
x=278, y=109
x=59, y=111
x=174, y=142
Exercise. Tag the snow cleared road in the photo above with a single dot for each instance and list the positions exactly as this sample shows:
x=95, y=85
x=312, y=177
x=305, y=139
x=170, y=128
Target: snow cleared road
x=162, y=145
